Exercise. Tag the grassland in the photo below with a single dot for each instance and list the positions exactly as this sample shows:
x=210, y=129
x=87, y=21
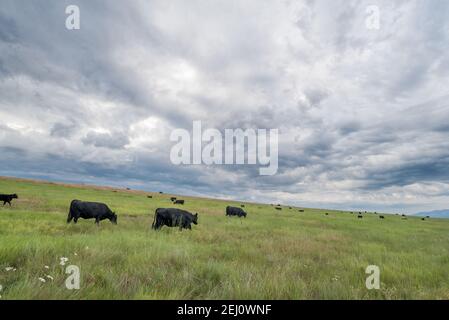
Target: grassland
x=269, y=255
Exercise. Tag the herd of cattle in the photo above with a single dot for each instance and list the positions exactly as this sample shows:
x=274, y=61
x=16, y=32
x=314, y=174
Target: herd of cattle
x=170, y=217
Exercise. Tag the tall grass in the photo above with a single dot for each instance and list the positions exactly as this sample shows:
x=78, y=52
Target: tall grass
x=269, y=255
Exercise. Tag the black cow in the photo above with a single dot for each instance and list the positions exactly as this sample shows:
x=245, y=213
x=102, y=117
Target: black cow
x=173, y=198
x=90, y=210
x=7, y=198
x=423, y=219
x=277, y=208
x=381, y=217
x=150, y=197
x=233, y=211
x=178, y=202
x=242, y=205
x=301, y=210
x=172, y=217
x=360, y=216
x=327, y=213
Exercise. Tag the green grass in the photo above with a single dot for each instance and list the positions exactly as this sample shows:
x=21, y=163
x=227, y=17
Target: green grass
x=269, y=255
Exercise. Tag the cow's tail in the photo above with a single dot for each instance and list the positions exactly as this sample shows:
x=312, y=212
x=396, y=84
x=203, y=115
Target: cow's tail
x=154, y=220
x=70, y=217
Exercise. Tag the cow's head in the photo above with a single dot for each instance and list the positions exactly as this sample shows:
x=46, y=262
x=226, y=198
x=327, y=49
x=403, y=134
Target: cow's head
x=15, y=196
x=114, y=218
x=195, y=218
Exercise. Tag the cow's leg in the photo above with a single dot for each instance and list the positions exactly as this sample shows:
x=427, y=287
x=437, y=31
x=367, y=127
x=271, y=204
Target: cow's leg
x=97, y=221
x=9, y=202
x=75, y=220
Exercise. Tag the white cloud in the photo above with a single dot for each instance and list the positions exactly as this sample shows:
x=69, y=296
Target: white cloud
x=361, y=112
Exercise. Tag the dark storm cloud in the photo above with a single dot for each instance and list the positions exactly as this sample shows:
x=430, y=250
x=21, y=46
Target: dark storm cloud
x=63, y=130
x=106, y=140
x=361, y=113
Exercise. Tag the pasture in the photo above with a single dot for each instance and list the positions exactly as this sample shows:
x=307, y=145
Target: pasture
x=272, y=254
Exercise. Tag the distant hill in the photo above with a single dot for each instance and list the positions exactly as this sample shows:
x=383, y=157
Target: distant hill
x=435, y=214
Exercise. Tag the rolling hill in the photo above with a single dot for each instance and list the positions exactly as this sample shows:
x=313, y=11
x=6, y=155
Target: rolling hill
x=435, y=214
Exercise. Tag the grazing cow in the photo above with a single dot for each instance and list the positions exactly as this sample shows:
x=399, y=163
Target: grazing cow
x=90, y=210
x=233, y=211
x=172, y=217
x=327, y=213
x=7, y=198
x=290, y=208
x=277, y=208
x=160, y=192
x=173, y=198
x=242, y=205
x=301, y=210
x=150, y=197
x=381, y=217
x=360, y=216
x=423, y=219
x=178, y=202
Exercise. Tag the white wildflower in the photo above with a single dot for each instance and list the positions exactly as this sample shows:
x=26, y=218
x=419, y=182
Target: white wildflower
x=46, y=267
x=63, y=260
x=42, y=279
x=50, y=277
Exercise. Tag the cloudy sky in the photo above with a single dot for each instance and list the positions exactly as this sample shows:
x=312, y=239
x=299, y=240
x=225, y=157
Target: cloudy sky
x=362, y=113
